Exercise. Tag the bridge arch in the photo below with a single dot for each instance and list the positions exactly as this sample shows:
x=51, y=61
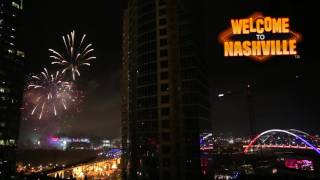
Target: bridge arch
x=298, y=131
x=286, y=132
x=205, y=137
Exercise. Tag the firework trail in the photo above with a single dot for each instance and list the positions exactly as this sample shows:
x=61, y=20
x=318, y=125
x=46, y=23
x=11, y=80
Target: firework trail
x=49, y=93
x=75, y=55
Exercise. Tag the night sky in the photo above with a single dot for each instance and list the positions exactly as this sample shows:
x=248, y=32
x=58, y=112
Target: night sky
x=45, y=23
x=285, y=89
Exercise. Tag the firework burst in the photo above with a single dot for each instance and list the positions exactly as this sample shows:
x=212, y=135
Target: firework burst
x=48, y=93
x=75, y=55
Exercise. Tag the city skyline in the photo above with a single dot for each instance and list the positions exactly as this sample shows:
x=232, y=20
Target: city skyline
x=227, y=74
x=159, y=89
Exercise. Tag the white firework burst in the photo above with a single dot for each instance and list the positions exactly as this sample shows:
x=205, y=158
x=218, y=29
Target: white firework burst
x=75, y=55
x=49, y=93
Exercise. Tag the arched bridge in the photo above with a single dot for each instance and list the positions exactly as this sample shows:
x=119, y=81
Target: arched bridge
x=286, y=139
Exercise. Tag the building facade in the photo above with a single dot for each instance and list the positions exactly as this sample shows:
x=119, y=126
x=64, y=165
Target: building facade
x=11, y=83
x=125, y=94
x=165, y=89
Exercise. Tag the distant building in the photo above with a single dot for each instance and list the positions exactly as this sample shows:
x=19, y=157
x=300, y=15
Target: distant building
x=206, y=154
x=11, y=82
x=165, y=102
x=80, y=143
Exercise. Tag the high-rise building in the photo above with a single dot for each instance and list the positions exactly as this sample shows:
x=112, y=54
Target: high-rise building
x=11, y=83
x=125, y=94
x=165, y=89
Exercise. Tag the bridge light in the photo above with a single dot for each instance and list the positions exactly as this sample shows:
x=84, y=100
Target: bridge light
x=307, y=145
x=274, y=171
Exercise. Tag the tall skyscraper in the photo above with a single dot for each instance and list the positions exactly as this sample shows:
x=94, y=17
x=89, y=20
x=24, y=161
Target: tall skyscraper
x=165, y=89
x=11, y=83
x=125, y=94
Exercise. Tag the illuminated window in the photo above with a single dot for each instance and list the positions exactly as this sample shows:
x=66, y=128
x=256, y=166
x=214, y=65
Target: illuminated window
x=20, y=53
x=10, y=51
x=301, y=164
x=12, y=141
x=4, y=90
x=16, y=5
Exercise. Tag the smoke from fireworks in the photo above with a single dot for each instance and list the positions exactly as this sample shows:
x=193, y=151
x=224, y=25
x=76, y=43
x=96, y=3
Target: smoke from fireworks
x=48, y=94
x=75, y=55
